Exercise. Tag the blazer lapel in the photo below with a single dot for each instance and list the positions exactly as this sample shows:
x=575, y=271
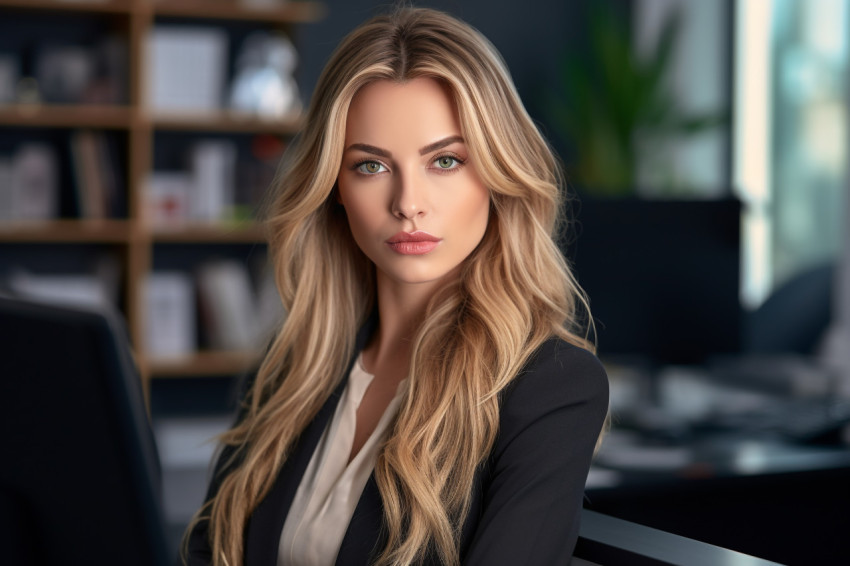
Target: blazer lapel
x=262, y=534
x=266, y=523
x=365, y=537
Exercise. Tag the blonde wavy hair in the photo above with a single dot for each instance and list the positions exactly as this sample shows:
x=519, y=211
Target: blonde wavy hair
x=514, y=292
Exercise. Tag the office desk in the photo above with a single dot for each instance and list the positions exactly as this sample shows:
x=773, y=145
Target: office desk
x=760, y=496
x=608, y=541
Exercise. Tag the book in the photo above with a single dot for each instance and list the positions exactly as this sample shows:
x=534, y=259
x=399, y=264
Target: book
x=270, y=311
x=228, y=306
x=6, y=189
x=110, y=179
x=87, y=172
x=170, y=323
x=97, y=183
x=34, y=183
x=8, y=78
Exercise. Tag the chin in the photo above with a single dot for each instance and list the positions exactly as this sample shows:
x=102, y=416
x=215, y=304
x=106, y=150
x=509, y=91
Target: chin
x=415, y=274
x=417, y=279
x=422, y=276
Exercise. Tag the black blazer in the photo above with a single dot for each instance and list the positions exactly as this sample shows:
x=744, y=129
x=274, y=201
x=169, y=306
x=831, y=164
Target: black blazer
x=527, y=497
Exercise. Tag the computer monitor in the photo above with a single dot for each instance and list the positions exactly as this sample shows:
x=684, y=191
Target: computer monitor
x=79, y=480
x=662, y=276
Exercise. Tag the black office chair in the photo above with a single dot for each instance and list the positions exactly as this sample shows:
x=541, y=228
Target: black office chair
x=80, y=479
x=80, y=483
x=795, y=316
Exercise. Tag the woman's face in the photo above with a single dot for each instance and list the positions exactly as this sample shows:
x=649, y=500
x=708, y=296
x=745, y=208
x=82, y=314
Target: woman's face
x=414, y=201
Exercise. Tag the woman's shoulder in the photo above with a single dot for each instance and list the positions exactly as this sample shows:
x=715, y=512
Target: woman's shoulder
x=559, y=399
x=558, y=374
x=556, y=355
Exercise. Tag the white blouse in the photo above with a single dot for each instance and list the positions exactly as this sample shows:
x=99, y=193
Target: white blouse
x=331, y=486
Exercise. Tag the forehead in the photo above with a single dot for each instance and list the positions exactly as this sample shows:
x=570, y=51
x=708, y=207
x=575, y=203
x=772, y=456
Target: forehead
x=420, y=110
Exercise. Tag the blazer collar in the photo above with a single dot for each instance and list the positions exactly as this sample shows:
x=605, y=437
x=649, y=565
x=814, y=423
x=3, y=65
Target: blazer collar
x=262, y=534
x=366, y=534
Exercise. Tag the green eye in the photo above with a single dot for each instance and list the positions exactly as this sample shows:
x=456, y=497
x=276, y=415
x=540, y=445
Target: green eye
x=446, y=162
x=370, y=167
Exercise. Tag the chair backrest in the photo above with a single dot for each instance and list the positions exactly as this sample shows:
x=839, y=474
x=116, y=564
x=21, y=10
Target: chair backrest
x=79, y=484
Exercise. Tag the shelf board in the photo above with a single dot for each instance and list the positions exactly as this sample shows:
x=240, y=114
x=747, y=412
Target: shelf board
x=122, y=117
x=249, y=233
x=90, y=6
x=229, y=122
x=204, y=363
x=287, y=12
x=120, y=231
x=66, y=116
x=65, y=231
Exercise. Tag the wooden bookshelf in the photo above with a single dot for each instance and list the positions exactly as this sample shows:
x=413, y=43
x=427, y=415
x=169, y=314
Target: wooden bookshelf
x=248, y=233
x=66, y=231
x=83, y=6
x=67, y=116
x=137, y=129
x=287, y=13
x=204, y=363
x=124, y=117
x=228, y=122
x=291, y=12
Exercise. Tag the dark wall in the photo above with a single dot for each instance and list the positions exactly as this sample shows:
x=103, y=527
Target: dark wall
x=531, y=35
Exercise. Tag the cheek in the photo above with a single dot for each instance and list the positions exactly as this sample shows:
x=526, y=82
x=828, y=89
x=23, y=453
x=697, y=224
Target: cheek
x=474, y=212
x=362, y=198
x=362, y=214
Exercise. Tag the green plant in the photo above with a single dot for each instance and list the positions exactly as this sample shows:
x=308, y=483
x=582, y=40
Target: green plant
x=609, y=94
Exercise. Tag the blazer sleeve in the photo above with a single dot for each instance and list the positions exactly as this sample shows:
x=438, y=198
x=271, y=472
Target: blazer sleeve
x=551, y=417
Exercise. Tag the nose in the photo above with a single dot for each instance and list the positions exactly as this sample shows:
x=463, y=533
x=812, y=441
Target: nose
x=408, y=197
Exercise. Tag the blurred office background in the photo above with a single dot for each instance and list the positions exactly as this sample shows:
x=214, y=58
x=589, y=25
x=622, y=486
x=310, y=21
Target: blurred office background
x=705, y=145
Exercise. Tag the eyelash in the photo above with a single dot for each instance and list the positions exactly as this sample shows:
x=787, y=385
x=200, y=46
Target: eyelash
x=356, y=167
x=458, y=164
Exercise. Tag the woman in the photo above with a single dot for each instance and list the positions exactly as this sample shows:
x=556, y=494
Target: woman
x=430, y=397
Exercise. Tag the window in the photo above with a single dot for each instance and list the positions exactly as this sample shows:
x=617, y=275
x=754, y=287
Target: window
x=790, y=136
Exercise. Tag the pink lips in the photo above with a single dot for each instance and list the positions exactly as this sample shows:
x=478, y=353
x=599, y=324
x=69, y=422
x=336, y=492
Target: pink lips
x=416, y=243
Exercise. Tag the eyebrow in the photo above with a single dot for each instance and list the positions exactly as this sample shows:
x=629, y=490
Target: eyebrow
x=370, y=149
x=439, y=144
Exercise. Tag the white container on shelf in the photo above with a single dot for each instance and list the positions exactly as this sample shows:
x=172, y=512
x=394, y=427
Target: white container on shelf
x=186, y=69
x=214, y=179
x=170, y=315
x=34, y=183
x=167, y=198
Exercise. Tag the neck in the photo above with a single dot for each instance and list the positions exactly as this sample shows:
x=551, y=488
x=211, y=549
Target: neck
x=401, y=310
